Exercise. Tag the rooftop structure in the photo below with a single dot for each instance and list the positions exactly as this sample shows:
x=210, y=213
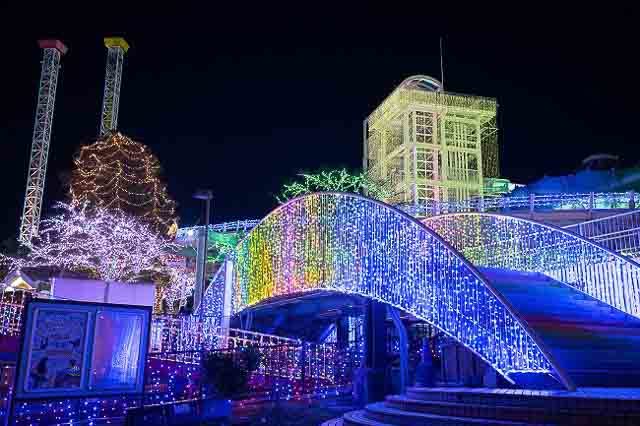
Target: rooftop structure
x=433, y=145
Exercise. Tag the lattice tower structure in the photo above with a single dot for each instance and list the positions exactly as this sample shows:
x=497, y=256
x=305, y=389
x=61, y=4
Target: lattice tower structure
x=431, y=145
x=120, y=173
x=116, y=48
x=52, y=51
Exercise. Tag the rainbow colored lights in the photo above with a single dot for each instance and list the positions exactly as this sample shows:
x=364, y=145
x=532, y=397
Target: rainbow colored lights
x=350, y=244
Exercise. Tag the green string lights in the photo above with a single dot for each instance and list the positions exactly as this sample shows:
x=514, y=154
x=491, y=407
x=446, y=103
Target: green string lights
x=335, y=181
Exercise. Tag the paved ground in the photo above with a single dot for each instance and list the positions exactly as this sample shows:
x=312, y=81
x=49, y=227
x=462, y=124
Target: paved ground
x=294, y=414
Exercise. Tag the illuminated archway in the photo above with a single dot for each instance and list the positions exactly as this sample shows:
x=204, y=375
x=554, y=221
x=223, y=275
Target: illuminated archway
x=351, y=244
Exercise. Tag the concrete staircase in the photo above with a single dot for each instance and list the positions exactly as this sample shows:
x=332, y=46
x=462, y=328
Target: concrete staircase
x=499, y=407
x=596, y=344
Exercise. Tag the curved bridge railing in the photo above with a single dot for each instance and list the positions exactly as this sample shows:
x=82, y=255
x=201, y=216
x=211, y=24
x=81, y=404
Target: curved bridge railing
x=351, y=244
x=497, y=241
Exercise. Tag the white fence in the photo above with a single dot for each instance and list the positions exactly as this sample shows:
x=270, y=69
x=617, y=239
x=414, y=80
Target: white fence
x=620, y=232
x=532, y=203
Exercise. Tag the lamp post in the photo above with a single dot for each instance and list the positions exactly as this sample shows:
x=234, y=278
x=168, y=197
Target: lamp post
x=203, y=239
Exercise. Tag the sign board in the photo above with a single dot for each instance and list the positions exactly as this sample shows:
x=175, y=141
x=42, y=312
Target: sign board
x=86, y=290
x=82, y=349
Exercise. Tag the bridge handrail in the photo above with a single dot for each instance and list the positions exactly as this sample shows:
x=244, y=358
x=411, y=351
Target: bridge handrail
x=508, y=242
x=243, y=225
x=535, y=202
x=619, y=232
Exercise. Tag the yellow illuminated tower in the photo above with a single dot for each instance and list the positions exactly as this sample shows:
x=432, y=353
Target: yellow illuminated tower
x=431, y=146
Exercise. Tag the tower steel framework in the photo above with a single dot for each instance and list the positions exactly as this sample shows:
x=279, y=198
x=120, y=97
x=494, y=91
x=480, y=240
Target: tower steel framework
x=431, y=145
x=116, y=48
x=52, y=51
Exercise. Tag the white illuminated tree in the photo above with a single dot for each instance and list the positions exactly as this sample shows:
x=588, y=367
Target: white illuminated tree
x=179, y=288
x=108, y=245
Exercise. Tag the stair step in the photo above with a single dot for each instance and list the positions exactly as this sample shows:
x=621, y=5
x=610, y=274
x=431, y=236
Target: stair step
x=477, y=395
x=474, y=410
x=500, y=407
x=490, y=396
x=355, y=418
x=381, y=412
x=627, y=400
x=333, y=422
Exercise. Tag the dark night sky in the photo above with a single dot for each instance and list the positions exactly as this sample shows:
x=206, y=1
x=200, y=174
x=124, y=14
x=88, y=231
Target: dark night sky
x=241, y=100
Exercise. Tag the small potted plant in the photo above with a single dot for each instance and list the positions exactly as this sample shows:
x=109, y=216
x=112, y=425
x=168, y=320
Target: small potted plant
x=226, y=375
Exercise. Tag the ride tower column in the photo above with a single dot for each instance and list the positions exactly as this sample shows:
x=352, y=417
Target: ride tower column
x=52, y=52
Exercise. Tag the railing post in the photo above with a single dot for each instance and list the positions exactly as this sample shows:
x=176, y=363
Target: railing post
x=532, y=204
x=226, y=303
x=632, y=199
x=248, y=321
x=201, y=266
x=303, y=362
x=403, y=347
x=504, y=204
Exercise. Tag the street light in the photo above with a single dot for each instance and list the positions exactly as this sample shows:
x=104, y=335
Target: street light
x=203, y=239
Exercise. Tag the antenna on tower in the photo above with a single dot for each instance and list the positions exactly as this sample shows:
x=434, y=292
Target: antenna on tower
x=116, y=48
x=52, y=51
x=441, y=63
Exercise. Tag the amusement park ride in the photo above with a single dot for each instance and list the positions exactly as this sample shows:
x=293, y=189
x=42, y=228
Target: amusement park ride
x=52, y=51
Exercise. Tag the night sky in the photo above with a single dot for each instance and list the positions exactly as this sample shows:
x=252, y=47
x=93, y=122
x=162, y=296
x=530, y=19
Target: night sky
x=240, y=101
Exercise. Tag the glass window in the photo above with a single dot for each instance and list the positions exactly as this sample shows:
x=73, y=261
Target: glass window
x=116, y=350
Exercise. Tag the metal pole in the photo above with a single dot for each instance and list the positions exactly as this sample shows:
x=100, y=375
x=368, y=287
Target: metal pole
x=203, y=278
x=403, y=347
x=199, y=272
x=206, y=241
x=226, y=300
x=441, y=64
x=532, y=205
x=201, y=266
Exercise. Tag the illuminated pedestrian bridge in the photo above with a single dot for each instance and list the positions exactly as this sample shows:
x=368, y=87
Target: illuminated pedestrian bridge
x=529, y=299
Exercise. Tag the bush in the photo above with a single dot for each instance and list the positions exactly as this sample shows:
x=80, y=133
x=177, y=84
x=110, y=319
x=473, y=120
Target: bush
x=228, y=372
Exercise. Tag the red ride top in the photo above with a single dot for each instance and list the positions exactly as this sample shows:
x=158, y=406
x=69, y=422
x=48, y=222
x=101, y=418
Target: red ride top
x=53, y=44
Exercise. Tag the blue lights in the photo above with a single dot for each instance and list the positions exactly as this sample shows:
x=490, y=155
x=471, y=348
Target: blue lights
x=351, y=244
